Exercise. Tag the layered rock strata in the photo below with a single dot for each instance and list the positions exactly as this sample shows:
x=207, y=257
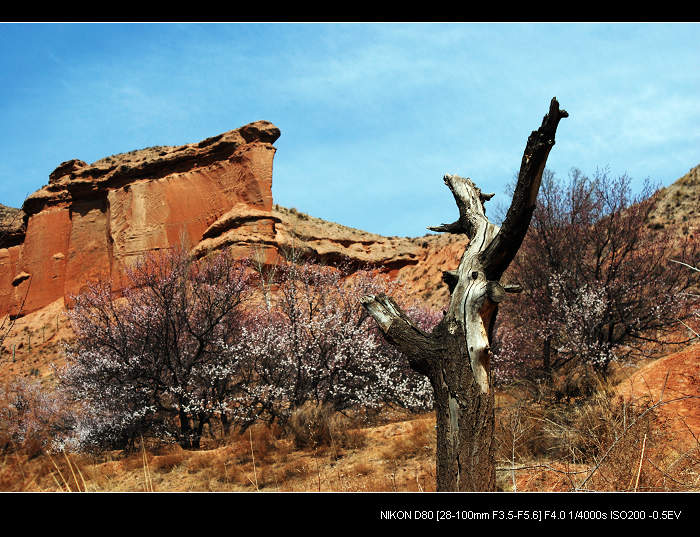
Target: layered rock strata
x=92, y=220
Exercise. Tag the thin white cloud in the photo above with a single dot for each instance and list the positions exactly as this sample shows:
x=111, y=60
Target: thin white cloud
x=376, y=107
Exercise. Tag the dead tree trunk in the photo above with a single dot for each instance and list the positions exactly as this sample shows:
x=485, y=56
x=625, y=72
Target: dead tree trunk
x=455, y=356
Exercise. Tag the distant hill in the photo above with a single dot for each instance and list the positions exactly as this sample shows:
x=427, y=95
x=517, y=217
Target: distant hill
x=678, y=205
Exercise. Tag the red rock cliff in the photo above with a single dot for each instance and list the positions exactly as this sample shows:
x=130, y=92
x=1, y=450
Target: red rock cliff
x=91, y=220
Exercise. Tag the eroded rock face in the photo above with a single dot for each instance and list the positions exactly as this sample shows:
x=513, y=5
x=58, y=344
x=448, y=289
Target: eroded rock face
x=417, y=262
x=92, y=220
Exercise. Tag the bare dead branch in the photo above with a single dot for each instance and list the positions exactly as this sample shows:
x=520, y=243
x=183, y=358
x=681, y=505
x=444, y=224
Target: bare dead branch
x=686, y=265
x=498, y=255
x=540, y=466
x=470, y=202
x=399, y=330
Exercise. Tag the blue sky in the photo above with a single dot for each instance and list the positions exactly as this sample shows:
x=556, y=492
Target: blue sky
x=372, y=115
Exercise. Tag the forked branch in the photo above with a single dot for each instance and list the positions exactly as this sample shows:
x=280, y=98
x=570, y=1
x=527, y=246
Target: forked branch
x=475, y=286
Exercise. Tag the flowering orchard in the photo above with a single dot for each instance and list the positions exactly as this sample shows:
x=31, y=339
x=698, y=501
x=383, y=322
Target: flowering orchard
x=189, y=345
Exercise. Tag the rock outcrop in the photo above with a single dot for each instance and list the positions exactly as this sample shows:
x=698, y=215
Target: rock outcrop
x=11, y=226
x=92, y=220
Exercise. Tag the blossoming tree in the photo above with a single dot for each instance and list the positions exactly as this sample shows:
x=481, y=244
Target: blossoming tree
x=157, y=360
x=311, y=344
x=598, y=281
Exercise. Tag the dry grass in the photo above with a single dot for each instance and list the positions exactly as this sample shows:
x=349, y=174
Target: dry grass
x=314, y=427
x=601, y=443
x=417, y=440
x=383, y=458
x=167, y=462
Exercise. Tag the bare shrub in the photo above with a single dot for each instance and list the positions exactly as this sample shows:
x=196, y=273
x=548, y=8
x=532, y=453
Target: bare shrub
x=310, y=426
x=263, y=440
x=313, y=426
x=33, y=418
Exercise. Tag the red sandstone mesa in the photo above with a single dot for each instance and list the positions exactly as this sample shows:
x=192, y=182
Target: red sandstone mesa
x=91, y=220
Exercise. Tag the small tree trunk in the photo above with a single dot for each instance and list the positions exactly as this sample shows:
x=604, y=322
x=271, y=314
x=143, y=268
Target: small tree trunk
x=199, y=432
x=225, y=425
x=547, y=359
x=185, y=430
x=456, y=355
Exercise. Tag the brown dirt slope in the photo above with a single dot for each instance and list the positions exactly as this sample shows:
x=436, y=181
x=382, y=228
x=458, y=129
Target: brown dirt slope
x=675, y=379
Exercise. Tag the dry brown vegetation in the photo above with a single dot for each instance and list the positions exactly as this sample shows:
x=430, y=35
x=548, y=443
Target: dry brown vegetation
x=615, y=440
x=638, y=432
x=396, y=456
x=609, y=442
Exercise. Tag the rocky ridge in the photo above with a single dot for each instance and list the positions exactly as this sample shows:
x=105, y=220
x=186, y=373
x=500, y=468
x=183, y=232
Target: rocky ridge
x=91, y=220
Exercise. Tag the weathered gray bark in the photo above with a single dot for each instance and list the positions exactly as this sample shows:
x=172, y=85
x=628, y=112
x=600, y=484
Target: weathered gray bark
x=455, y=356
